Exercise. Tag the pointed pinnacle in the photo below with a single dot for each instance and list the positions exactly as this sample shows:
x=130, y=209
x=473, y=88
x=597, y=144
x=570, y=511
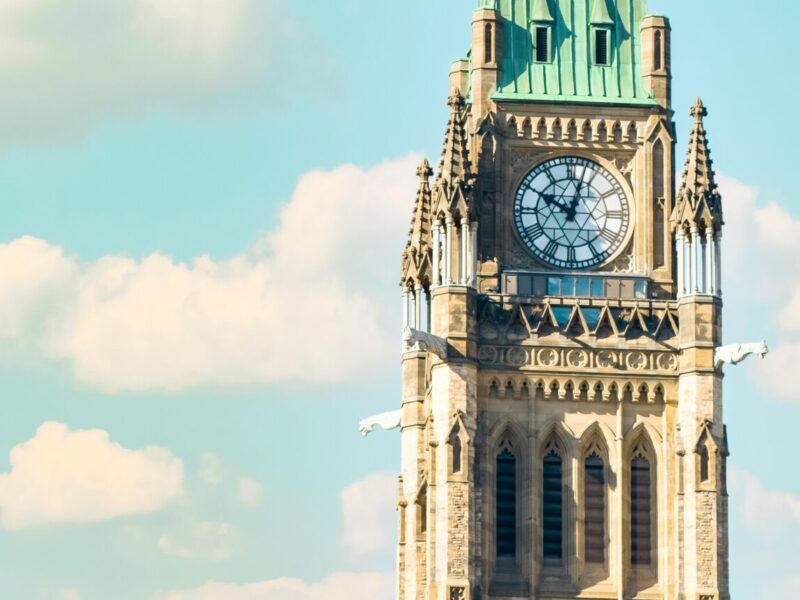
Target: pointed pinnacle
x=424, y=170
x=699, y=110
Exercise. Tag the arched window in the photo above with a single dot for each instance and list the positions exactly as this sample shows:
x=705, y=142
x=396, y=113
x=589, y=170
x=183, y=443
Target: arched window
x=705, y=461
x=552, y=507
x=506, y=504
x=594, y=491
x=658, y=49
x=641, y=516
x=422, y=511
x=488, y=43
x=456, y=449
x=659, y=205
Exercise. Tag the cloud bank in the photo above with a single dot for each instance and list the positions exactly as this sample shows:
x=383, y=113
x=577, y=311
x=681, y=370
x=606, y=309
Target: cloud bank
x=339, y=586
x=368, y=514
x=313, y=301
x=62, y=476
x=61, y=78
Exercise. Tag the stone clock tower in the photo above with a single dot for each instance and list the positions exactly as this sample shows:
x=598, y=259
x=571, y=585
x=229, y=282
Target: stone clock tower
x=562, y=425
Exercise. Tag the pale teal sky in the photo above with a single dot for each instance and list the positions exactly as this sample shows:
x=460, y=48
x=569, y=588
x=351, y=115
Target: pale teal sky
x=189, y=166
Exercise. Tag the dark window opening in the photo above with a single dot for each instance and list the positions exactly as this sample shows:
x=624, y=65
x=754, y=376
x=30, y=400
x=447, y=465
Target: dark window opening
x=641, y=521
x=422, y=512
x=542, y=44
x=552, y=506
x=601, y=50
x=506, y=504
x=455, y=445
x=705, y=459
x=595, y=506
x=659, y=207
x=488, y=43
x=658, y=51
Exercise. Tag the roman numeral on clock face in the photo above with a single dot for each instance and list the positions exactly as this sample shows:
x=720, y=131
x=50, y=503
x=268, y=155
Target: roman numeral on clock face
x=571, y=257
x=608, y=236
x=551, y=249
x=615, y=214
x=534, y=231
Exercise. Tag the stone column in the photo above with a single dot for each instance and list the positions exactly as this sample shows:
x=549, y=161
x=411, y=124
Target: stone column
x=680, y=244
x=711, y=284
x=695, y=260
x=473, y=263
x=464, y=260
x=437, y=258
x=448, y=252
x=718, y=262
x=406, y=303
x=418, y=307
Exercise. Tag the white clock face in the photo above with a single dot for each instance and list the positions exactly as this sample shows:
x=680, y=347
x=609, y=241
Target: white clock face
x=572, y=213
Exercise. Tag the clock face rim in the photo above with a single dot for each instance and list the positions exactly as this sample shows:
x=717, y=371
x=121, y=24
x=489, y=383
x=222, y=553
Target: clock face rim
x=627, y=196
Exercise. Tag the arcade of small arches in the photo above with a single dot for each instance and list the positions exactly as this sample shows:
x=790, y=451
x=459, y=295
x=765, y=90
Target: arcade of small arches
x=698, y=248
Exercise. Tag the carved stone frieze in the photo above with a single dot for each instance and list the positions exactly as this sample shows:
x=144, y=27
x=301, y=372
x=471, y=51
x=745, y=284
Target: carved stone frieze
x=578, y=359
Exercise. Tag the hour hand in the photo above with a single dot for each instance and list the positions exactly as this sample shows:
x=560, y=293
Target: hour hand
x=551, y=200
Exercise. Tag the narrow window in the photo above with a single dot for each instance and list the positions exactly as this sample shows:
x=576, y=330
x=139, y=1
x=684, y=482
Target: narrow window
x=552, y=506
x=641, y=522
x=601, y=54
x=488, y=42
x=455, y=446
x=422, y=512
x=595, y=506
x=506, y=504
x=705, y=459
x=542, y=44
x=658, y=51
x=659, y=204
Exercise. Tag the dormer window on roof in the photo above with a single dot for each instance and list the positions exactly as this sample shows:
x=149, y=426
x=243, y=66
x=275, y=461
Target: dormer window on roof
x=542, y=30
x=542, y=43
x=602, y=24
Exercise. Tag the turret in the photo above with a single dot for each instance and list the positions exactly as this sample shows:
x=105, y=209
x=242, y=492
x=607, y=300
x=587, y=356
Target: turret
x=487, y=55
x=656, y=58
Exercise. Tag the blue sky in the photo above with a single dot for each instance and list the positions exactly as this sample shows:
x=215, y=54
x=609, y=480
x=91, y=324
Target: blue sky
x=186, y=296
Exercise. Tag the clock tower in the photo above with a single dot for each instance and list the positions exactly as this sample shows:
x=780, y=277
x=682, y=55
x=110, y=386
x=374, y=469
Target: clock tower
x=562, y=425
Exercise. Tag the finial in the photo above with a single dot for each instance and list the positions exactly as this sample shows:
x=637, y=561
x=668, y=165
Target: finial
x=424, y=171
x=456, y=100
x=699, y=110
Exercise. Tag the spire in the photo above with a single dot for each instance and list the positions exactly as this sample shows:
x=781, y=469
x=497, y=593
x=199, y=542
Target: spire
x=416, y=260
x=455, y=165
x=600, y=14
x=699, y=198
x=541, y=11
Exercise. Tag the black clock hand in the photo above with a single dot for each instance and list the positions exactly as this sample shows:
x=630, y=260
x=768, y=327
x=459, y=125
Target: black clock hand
x=551, y=200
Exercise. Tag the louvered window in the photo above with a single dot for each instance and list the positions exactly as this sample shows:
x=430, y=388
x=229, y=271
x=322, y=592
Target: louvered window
x=552, y=506
x=658, y=50
x=595, y=507
x=601, y=53
x=704, y=464
x=488, y=43
x=542, y=44
x=506, y=504
x=641, y=520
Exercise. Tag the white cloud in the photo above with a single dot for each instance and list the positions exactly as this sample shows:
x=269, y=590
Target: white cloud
x=63, y=476
x=211, y=469
x=62, y=77
x=205, y=541
x=368, y=514
x=765, y=511
x=249, y=492
x=339, y=586
x=313, y=301
x=762, y=283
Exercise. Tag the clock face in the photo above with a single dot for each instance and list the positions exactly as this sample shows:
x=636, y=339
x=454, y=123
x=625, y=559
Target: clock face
x=572, y=213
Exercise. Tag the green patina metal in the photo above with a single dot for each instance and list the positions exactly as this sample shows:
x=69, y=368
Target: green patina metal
x=571, y=75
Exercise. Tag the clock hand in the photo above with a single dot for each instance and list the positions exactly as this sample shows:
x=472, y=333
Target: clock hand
x=551, y=200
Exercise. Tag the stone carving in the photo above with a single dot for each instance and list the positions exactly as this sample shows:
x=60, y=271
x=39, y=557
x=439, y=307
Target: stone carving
x=577, y=358
x=458, y=593
x=386, y=421
x=548, y=358
x=636, y=361
x=738, y=353
x=487, y=355
x=517, y=357
x=420, y=341
x=667, y=362
x=606, y=360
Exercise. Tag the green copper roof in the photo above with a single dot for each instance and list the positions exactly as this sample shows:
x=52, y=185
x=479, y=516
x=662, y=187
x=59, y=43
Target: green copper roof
x=571, y=75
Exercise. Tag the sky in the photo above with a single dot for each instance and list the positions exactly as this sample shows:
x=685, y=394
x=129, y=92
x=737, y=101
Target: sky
x=203, y=207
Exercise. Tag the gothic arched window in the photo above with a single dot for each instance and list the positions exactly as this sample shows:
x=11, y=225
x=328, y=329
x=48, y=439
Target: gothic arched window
x=659, y=205
x=506, y=504
x=594, y=491
x=552, y=507
x=422, y=511
x=641, y=511
x=705, y=463
x=488, y=43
